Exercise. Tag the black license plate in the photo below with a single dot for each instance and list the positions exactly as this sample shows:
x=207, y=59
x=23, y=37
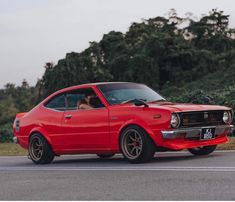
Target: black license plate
x=207, y=133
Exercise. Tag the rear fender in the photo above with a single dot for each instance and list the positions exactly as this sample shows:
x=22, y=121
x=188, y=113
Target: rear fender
x=42, y=132
x=19, y=115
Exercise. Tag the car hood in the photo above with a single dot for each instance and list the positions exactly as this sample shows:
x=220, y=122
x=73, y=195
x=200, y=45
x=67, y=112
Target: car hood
x=179, y=107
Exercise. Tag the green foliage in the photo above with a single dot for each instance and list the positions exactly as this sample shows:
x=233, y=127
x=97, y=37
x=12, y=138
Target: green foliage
x=13, y=100
x=156, y=51
x=183, y=59
x=195, y=63
x=6, y=132
x=7, y=110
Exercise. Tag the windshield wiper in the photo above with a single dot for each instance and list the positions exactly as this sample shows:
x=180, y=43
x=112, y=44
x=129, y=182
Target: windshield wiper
x=161, y=100
x=137, y=102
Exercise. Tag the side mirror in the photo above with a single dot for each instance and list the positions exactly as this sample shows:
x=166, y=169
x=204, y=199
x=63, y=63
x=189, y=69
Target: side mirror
x=140, y=103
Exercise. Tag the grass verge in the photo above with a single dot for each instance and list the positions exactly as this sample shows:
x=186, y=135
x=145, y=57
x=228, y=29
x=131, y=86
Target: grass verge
x=229, y=146
x=11, y=149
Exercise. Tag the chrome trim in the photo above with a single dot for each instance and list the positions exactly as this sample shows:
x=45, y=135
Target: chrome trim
x=79, y=110
x=194, y=132
x=68, y=116
x=56, y=110
x=230, y=119
x=206, y=110
x=66, y=110
x=179, y=120
x=15, y=140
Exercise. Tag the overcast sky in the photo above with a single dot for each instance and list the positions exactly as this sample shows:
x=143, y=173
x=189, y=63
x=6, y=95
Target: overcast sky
x=33, y=32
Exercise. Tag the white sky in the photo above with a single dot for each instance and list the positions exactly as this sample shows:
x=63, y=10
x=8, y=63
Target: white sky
x=34, y=32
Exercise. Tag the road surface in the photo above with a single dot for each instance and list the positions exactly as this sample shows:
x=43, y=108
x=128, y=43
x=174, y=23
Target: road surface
x=170, y=176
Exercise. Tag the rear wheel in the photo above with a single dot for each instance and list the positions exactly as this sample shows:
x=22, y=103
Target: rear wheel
x=136, y=145
x=40, y=151
x=202, y=150
x=105, y=156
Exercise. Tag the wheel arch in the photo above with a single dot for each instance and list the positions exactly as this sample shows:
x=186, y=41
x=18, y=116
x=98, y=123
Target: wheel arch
x=139, y=124
x=42, y=132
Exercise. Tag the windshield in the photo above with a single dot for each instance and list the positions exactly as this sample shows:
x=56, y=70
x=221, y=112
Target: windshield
x=117, y=93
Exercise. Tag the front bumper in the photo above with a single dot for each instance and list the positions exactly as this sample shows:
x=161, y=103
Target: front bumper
x=195, y=132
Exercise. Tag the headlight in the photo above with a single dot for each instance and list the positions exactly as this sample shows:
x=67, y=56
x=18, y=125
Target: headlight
x=175, y=121
x=227, y=118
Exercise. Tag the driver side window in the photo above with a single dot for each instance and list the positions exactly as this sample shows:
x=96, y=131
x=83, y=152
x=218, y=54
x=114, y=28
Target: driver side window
x=83, y=99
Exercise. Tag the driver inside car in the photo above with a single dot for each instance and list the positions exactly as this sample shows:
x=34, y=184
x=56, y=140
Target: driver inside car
x=86, y=102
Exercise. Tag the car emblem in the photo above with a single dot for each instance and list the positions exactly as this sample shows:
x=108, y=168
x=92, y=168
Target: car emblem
x=206, y=115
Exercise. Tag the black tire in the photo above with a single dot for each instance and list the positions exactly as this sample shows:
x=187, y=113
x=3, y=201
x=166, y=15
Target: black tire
x=202, y=150
x=40, y=151
x=105, y=156
x=135, y=138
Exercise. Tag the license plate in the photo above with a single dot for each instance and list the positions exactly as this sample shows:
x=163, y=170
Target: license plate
x=207, y=133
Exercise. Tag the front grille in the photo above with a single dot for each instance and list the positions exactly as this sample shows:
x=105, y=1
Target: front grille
x=201, y=118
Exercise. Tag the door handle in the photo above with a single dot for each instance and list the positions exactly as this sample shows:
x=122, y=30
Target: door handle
x=68, y=116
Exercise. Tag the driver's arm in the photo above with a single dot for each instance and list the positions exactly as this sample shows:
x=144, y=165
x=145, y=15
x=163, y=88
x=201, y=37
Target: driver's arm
x=85, y=106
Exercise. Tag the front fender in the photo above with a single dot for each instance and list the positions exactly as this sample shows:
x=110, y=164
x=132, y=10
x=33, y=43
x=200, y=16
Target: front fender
x=138, y=122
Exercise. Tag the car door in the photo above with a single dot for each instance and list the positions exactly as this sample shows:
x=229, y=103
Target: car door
x=85, y=129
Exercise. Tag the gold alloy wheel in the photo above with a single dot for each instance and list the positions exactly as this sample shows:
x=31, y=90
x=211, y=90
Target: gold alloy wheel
x=36, y=148
x=132, y=144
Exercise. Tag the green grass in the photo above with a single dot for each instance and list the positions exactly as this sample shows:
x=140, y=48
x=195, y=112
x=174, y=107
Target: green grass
x=229, y=146
x=11, y=149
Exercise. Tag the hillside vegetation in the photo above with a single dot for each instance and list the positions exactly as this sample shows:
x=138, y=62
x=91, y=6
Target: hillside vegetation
x=184, y=59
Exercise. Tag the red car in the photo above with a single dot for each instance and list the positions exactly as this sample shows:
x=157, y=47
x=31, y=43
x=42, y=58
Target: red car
x=113, y=117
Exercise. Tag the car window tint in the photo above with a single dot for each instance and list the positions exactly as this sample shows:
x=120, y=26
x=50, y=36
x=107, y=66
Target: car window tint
x=73, y=99
x=57, y=103
x=76, y=97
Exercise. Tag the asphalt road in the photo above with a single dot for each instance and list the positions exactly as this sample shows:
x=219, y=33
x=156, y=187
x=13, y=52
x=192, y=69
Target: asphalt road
x=170, y=176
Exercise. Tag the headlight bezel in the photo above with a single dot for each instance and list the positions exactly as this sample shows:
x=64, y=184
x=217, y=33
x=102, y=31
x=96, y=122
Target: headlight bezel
x=227, y=117
x=175, y=117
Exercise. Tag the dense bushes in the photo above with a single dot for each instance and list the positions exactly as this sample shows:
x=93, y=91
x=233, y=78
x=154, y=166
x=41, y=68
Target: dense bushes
x=183, y=59
x=13, y=100
x=6, y=132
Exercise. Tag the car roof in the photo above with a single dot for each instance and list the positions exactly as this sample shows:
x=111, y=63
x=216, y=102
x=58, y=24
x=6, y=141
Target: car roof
x=87, y=85
x=101, y=83
x=92, y=84
x=71, y=88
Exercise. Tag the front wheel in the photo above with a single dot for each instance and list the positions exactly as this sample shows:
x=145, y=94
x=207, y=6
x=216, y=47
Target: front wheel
x=202, y=150
x=40, y=150
x=136, y=145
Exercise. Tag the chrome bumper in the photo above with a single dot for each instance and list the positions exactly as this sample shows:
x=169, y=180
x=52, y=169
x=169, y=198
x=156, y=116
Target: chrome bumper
x=192, y=133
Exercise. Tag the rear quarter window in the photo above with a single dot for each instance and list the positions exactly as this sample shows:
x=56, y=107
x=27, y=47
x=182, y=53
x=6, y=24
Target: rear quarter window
x=57, y=103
